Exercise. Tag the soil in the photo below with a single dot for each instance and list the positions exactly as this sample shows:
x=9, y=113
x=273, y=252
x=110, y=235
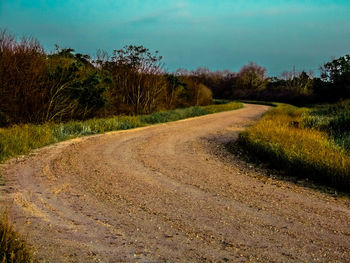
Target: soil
x=169, y=192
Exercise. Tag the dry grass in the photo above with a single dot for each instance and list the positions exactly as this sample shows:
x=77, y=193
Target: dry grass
x=281, y=139
x=13, y=248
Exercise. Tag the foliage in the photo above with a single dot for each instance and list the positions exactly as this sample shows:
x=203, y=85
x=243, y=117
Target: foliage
x=301, y=88
x=337, y=74
x=77, y=89
x=36, y=87
x=198, y=93
x=176, y=92
x=281, y=139
x=252, y=83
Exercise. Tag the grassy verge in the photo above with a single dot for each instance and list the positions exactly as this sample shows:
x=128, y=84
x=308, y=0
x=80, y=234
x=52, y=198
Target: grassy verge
x=285, y=139
x=267, y=103
x=21, y=139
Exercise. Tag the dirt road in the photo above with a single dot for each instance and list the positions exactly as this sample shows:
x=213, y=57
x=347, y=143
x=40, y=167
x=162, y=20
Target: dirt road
x=169, y=192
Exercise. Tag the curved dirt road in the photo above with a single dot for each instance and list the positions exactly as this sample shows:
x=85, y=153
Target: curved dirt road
x=168, y=193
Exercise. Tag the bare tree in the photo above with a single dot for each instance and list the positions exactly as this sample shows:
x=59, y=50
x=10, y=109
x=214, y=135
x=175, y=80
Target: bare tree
x=252, y=76
x=138, y=77
x=22, y=71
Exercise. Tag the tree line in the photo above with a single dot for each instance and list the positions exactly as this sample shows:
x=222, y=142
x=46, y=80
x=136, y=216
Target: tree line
x=252, y=83
x=39, y=87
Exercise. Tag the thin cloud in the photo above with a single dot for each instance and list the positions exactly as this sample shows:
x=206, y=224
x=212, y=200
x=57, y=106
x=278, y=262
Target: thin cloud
x=157, y=16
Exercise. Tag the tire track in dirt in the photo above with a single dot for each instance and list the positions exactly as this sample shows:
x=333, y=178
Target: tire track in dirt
x=168, y=192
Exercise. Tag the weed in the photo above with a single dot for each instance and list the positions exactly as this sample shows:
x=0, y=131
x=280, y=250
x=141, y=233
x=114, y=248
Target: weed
x=13, y=249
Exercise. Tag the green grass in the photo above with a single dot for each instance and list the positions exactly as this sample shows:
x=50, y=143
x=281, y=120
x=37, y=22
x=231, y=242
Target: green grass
x=13, y=249
x=178, y=114
x=288, y=139
x=222, y=107
x=173, y=115
x=333, y=119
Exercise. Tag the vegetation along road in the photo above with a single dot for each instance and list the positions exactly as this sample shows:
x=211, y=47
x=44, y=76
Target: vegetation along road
x=169, y=192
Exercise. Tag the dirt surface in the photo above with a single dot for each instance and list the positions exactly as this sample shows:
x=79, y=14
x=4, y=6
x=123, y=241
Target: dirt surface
x=169, y=192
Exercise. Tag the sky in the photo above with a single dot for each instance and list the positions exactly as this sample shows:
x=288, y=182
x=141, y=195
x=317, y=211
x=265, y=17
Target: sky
x=218, y=34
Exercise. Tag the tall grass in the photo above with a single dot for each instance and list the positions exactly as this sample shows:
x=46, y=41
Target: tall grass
x=21, y=139
x=282, y=139
x=13, y=249
x=332, y=119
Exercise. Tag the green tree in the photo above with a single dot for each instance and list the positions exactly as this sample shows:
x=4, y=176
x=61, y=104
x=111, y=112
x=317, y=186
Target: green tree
x=337, y=74
x=77, y=88
x=176, y=93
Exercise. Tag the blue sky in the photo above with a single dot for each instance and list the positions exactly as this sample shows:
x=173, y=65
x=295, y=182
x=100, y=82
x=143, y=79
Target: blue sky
x=219, y=34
